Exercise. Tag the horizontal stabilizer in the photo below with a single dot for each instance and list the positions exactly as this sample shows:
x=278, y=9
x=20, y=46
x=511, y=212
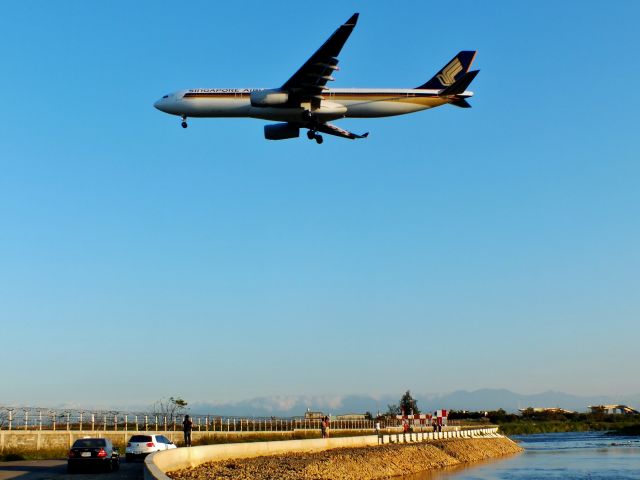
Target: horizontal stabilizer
x=461, y=102
x=460, y=85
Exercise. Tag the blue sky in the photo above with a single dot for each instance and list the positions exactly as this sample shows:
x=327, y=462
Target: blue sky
x=452, y=249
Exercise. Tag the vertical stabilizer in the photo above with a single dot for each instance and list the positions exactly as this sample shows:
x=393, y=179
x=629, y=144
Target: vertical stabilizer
x=451, y=72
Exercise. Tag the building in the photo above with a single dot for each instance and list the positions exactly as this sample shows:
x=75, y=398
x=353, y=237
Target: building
x=613, y=409
x=546, y=410
x=351, y=416
x=309, y=415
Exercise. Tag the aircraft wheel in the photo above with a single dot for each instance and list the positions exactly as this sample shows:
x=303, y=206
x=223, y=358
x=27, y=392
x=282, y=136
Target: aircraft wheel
x=311, y=135
x=319, y=139
x=184, y=125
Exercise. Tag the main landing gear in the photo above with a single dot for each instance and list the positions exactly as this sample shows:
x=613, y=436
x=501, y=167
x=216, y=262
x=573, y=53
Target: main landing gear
x=184, y=121
x=313, y=135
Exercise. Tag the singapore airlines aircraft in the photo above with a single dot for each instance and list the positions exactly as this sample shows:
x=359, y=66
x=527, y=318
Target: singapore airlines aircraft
x=305, y=101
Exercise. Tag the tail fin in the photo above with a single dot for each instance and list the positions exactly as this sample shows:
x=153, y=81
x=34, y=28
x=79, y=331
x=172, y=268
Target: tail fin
x=451, y=72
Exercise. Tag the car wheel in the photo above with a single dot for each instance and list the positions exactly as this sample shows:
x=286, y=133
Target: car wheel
x=71, y=469
x=129, y=457
x=108, y=466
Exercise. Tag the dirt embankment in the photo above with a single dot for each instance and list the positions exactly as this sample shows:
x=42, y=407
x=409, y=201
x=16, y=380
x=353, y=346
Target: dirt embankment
x=365, y=463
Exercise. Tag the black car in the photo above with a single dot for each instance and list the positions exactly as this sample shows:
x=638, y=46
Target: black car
x=93, y=453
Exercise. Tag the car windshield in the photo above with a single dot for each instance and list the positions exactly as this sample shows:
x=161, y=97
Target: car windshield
x=89, y=443
x=140, y=438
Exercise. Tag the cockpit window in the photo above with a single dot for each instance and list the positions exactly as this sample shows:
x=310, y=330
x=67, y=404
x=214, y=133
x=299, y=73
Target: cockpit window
x=166, y=96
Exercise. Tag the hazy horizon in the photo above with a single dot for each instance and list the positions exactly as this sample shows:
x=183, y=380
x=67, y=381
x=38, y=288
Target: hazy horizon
x=292, y=405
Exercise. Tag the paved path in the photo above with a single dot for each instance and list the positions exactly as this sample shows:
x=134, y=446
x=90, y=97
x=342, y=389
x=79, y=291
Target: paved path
x=57, y=469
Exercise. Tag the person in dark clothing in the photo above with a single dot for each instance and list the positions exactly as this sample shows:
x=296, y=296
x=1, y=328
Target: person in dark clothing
x=325, y=427
x=187, y=425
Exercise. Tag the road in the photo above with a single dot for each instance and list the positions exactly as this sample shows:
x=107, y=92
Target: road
x=57, y=469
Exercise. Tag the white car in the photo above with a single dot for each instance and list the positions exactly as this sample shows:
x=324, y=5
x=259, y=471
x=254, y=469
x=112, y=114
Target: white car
x=140, y=446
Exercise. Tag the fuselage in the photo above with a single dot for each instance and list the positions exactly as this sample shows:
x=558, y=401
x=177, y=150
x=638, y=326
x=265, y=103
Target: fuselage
x=337, y=103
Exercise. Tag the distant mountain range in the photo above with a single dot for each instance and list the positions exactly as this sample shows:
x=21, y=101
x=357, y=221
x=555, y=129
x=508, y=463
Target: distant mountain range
x=485, y=399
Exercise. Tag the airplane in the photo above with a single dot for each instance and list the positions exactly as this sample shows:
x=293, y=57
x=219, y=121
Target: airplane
x=305, y=101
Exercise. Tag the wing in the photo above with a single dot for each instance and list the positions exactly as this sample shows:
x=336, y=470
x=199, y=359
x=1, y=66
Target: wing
x=308, y=83
x=330, y=129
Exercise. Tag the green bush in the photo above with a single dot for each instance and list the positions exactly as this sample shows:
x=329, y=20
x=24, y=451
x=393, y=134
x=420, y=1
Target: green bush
x=11, y=457
x=214, y=439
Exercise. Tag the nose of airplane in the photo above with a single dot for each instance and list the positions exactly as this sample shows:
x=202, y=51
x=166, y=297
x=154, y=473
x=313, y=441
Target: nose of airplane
x=167, y=103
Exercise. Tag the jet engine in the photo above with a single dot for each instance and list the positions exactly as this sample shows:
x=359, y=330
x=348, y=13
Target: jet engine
x=281, y=131
x=268, y=98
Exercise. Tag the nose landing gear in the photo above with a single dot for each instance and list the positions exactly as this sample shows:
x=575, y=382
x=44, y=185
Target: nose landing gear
x=184, y=121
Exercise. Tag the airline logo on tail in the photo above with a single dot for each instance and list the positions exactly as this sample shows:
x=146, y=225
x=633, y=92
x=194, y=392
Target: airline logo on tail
x=448, y=75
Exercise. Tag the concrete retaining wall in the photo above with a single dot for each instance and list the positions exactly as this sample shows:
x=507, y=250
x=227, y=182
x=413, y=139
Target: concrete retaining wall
x=431, y=436
x=157, y=464
x=35, y=440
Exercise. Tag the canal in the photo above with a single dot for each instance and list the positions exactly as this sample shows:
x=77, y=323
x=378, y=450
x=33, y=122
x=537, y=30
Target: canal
x=567, y=456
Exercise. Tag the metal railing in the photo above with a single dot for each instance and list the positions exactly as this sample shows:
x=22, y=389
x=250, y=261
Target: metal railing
x=33, y=418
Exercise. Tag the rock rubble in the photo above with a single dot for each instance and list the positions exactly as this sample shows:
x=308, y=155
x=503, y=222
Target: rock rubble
x=366, y=463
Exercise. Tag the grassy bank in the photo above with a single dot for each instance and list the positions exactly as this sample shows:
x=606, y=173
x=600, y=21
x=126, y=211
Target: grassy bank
x=529, y=422
x=526, y=428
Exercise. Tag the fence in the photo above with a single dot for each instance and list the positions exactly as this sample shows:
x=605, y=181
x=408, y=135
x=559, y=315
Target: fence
x=29, y=418
x=33, y=418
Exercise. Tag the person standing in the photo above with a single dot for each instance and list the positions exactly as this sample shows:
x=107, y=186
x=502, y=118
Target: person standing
x=187, y=425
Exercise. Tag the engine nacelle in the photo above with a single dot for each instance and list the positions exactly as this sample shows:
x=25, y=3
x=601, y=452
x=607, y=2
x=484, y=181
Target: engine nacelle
x=281, y=131
x=268, y=98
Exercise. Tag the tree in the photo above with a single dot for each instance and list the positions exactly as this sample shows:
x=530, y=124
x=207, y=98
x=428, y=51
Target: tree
x=170, y=408
x=393, y=409
x=408, y=405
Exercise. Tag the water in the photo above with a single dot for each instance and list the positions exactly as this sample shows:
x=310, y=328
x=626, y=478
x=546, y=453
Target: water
x=567, y=456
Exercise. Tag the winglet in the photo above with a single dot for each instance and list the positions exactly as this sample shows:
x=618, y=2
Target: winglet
x=353, y=19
